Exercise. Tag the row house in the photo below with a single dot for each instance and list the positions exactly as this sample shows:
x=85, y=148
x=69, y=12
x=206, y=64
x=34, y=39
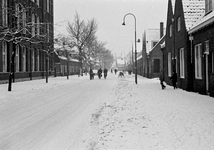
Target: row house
x=201, y=37
x=155, y=56
x=26, y=38
x=65, y=60
x=149, y=40
x=177, y=53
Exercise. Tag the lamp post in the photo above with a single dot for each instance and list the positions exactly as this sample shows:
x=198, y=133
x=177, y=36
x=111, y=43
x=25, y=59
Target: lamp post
x=135, y=43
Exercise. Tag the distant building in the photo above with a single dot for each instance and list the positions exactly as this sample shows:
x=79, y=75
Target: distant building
x=150, y=39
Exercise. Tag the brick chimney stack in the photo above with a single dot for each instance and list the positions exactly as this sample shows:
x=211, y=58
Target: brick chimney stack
x=161, y=30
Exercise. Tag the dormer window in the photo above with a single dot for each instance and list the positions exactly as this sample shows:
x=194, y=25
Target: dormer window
x=170, y=30
x=208, y=6
x=179, y=24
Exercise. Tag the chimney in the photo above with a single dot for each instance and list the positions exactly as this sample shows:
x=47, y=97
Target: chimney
x=161, y=30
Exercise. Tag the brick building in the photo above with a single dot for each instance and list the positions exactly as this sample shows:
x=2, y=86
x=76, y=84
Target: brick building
x=26, y=37
x=202, y=47
x=177, y=53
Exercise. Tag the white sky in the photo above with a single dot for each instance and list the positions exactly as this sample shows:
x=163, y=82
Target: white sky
x=109, y=15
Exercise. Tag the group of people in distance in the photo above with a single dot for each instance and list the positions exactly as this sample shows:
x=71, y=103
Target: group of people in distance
x=99, y=73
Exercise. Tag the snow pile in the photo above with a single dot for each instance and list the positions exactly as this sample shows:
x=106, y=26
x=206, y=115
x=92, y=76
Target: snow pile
x=145, y=117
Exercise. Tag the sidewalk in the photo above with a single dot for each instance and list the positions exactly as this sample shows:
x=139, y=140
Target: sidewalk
x=145, y=117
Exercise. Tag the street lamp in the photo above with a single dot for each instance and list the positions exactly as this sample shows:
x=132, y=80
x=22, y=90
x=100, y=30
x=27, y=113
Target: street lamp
x=135, y=43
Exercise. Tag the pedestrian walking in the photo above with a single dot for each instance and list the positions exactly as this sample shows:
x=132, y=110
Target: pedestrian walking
x=115, y=71
x=161, y=78
x=174, y=80
x=99, y=73
x=91, y=74
x=105, y=73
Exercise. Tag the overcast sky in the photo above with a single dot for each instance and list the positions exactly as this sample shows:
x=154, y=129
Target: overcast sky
x=109, y=16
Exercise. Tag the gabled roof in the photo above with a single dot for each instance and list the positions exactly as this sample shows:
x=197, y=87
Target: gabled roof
x=152, y=35
x=204, y=21
x=193, y=10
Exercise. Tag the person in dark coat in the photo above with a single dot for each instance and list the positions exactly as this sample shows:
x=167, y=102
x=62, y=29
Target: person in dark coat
x=161, y=78
x=105, y=73
x=174, y=79
x=91, y=74
x=115, y=71
x=99, y=73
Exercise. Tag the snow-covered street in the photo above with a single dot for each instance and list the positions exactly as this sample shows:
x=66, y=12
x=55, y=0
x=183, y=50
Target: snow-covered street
x=104, y=114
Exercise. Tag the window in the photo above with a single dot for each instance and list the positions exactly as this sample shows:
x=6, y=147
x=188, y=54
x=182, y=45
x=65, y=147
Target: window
x=198, y=69
x=170, y=30
x=48, y=5
x=17, y=58
x=37, y=57
x=21, y=17
x=4, y=13
x=156, y=66
x=48, y=32
x=182, y=62
x=24, y=59
x=179, y=24
x=154, y=43
x=208, y=6
x=33, y=25
x=38, y=26
x=207, y=51
x=4, y=48
x=169, y=64
x=24, y=21
x=37, y=2
x=212, y=63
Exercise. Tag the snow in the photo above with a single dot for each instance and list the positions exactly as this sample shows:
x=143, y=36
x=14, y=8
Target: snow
x=104, y=114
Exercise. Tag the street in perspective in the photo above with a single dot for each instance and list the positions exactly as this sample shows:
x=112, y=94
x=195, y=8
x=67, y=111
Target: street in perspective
x=111, y=113
x=106, y=75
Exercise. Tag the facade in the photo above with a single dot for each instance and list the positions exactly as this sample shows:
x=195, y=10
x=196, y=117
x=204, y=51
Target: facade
x=202, y=44
x=156, y=59
x=61, y=68
x=155, y=56
x=26, y=39
x=151, y=38
x=177, y=53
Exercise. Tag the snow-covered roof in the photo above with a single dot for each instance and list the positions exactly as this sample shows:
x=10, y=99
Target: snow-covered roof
x=152, y=35
x=163, y=45
x=64, y=58
x=204, y=21
x=193, y=10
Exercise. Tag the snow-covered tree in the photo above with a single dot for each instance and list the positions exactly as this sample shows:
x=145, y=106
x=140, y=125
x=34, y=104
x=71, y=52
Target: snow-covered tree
x=82, y=34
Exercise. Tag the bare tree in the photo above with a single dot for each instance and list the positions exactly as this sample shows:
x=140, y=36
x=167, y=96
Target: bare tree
x=65, y=45
x=82, y=34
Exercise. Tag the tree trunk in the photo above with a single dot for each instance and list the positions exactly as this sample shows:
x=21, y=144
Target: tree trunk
x=11, y=75
x=47, y=68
